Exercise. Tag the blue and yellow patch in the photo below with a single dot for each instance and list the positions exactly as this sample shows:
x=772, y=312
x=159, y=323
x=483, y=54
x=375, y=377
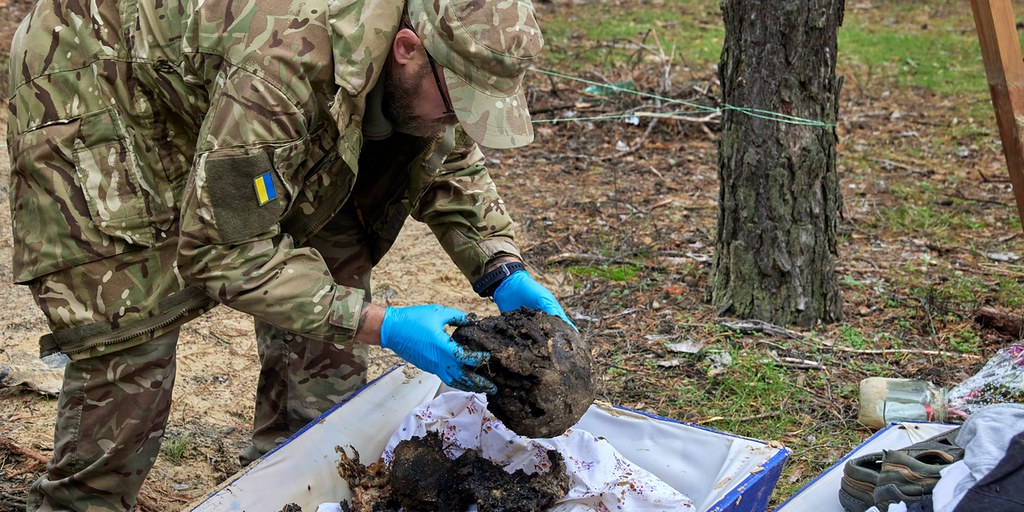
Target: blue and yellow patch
x=265, y=190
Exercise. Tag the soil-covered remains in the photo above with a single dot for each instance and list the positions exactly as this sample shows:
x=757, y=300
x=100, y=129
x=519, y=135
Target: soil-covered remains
x=422, y=478
x=542, y=367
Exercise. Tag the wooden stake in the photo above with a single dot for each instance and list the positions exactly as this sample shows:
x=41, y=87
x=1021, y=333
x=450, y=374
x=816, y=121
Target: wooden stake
x=1004, y=66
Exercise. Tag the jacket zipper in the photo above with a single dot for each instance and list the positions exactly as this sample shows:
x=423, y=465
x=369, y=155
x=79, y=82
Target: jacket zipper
x=147, y=326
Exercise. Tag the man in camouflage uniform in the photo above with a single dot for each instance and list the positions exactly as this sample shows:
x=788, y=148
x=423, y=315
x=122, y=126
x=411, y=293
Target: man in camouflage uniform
x=263, y=154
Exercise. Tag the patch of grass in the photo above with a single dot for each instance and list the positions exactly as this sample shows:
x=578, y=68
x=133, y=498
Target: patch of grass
x=904, y=324
x=852, y=282
x=690, y=31
x=1010, y=292
x=871, y=368
x=616, y=369
x=617, y=273
x=966, y=341
x=964, y=289
x=175, y=446
x=851, y=337
x=750, y=388
x=906, y=218
x=743, y=399
x=888, y=339
x=939, y=55
x=925, y=208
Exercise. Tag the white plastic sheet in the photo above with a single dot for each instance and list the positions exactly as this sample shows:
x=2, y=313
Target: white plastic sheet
x=601, y=477
x=712, y=468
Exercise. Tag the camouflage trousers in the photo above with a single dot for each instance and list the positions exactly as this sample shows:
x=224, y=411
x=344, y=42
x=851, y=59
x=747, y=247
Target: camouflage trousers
x=300, y=379
x=114, y=407
x=113, y=410
x=111, y=416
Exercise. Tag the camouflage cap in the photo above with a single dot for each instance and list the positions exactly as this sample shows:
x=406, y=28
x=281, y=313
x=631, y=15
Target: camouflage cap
x=485, y=47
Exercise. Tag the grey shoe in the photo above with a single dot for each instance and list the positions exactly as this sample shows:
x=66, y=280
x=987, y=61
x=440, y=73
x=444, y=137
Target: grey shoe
x=911, y=477
x=860, y=477
x=858, y=489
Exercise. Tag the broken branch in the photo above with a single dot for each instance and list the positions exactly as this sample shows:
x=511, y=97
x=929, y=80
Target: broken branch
x=25, y=452
x=903, y=351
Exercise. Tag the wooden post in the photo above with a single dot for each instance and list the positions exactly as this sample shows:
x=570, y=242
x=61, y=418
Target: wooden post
x=1004, y=66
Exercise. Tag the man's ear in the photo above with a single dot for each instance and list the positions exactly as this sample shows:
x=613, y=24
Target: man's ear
x=406, y=47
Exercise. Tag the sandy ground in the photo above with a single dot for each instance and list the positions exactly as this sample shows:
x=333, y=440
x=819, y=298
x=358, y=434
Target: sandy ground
x=217, y=365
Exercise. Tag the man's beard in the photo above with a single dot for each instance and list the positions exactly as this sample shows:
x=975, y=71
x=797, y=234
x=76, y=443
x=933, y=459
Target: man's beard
x=399, y=98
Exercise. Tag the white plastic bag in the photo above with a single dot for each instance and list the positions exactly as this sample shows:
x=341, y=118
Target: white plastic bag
x=1001, y=380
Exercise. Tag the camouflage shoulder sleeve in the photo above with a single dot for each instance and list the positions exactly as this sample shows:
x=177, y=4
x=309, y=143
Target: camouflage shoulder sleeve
x=232, y=246
x=463, y=209
x=268, y=117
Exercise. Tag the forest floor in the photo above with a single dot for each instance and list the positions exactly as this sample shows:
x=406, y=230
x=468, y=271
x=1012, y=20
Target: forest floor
x=619, y=220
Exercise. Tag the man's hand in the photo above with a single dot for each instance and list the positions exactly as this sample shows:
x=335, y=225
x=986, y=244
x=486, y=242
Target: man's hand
x=417, y=334
x=520, y=290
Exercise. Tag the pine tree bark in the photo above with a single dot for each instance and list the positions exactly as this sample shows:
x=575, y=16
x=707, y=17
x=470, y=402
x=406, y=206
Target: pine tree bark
x=779, y=196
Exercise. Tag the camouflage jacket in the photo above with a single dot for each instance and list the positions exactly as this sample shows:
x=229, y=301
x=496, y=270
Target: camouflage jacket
x=160, y=149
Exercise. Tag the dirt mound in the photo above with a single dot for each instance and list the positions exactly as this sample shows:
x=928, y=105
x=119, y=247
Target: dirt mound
x=542, y=367
x=422, y=478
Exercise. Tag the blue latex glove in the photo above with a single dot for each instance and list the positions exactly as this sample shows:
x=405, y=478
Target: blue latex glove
x=416, y=334
x=519, y=290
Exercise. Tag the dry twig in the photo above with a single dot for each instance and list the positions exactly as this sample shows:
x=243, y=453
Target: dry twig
x=769, y=414
x=903, y=351
x=760, y=326
x=8, y=443
x=567, y=257
x=800, y=364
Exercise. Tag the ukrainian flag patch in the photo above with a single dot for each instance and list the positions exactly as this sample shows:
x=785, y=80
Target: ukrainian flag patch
x=265, y=190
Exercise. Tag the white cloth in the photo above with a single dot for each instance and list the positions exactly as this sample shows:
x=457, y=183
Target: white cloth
x=600, y=475
x=895, y=507
x=948, y=493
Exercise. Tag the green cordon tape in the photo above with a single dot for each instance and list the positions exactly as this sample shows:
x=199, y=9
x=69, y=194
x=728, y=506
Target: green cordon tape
x=697, y=109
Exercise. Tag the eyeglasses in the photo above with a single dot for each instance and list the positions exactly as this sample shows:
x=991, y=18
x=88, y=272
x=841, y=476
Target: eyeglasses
x=437, y=79
x=448, y=110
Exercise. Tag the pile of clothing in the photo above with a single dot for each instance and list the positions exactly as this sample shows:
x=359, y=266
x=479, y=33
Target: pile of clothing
x=976, y=467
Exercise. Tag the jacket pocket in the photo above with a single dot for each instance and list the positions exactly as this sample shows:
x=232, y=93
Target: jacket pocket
x=110, y=177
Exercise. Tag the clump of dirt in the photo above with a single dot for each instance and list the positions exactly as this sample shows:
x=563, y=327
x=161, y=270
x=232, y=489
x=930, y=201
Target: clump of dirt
x=422, y=478
x=542, y=367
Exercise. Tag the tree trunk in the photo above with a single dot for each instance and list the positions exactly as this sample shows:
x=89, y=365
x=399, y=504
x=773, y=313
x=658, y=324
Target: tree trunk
x=779, y=196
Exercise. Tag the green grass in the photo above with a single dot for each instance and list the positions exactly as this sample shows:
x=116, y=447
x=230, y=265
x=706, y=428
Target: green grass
x=966, y=341
x=688, y=31
x=913, y=218
x=940, y=58
x=851, y=282
x=852, y=337
x=175, y=446
x=941, y=53
x=617, y=273
x=925, y=208
x=744, y=398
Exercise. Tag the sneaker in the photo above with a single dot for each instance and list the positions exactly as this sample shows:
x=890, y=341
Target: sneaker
x=860, y=477
x=911, y=477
